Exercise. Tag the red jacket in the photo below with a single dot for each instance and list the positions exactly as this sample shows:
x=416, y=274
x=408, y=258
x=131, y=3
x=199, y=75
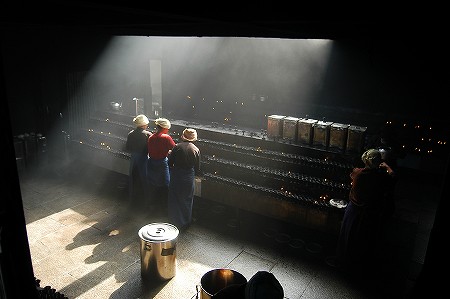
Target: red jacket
x=159, y=145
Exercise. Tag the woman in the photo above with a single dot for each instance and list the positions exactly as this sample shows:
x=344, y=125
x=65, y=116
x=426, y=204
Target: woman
x=361, y=223
x=159, y=146
x=136, y=145
x=184, y=163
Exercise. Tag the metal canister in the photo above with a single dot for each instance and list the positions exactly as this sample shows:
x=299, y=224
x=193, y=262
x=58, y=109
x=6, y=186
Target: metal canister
x=321, y=135
x=338, y=136
x=355, y=139
x=216, y=280
x=305, y=130
x=290, y=128
x=275, y=126
x=158, y=250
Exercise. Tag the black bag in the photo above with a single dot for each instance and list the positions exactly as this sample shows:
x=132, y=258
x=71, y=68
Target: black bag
x=263, y=285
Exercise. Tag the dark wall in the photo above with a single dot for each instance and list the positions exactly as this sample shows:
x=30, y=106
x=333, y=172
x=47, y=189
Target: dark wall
x=35, y=67
x=394, y=77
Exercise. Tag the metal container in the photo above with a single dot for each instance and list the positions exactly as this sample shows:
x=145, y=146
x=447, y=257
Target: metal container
x=216, y=280
x=275, y=126
x=322, y=133
x=158, y=250
x=290, y=128
x=355, y=139
x=338, y=136
x=305, y=130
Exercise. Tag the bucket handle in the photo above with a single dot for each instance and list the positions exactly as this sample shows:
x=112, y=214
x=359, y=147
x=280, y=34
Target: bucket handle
x=167, y=251
x=197, y=291
x=164, y=251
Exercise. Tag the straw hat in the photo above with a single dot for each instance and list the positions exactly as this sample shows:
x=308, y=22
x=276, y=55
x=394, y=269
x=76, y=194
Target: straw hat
x=163, y=123
x=189, y=135
x=140, y=120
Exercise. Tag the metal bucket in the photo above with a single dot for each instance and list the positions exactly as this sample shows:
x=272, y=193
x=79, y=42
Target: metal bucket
x=158, y=250
x=216, y=280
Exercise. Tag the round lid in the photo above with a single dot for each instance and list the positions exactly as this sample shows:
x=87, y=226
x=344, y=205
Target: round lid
x=158, y=232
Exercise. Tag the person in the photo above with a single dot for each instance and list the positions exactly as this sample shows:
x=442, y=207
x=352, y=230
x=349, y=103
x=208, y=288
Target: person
x=159, y=146
x=361, y=223
x=136, y=145
x=184, y=163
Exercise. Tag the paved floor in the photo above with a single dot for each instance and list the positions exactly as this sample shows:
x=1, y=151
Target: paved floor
x=84, y=242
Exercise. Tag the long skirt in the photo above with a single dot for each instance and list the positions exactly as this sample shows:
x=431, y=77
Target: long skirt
x=181, y=196
x=158, y=174
x=137, y=178
x=358, y=236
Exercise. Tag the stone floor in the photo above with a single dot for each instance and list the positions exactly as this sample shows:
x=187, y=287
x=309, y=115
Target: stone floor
x=84, y=242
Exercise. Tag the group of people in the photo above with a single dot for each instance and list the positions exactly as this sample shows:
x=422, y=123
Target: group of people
x=162, y=173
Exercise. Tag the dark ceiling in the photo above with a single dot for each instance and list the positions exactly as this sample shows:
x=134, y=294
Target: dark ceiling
x=320, y=20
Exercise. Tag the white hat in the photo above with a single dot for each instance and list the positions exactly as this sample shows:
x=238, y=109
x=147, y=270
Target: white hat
x=140, y=120
x=163, y=123
x=189, y=135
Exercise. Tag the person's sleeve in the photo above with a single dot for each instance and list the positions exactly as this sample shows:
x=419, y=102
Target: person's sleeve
x=127, y=144
x=171, y=142
x=171, y=156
